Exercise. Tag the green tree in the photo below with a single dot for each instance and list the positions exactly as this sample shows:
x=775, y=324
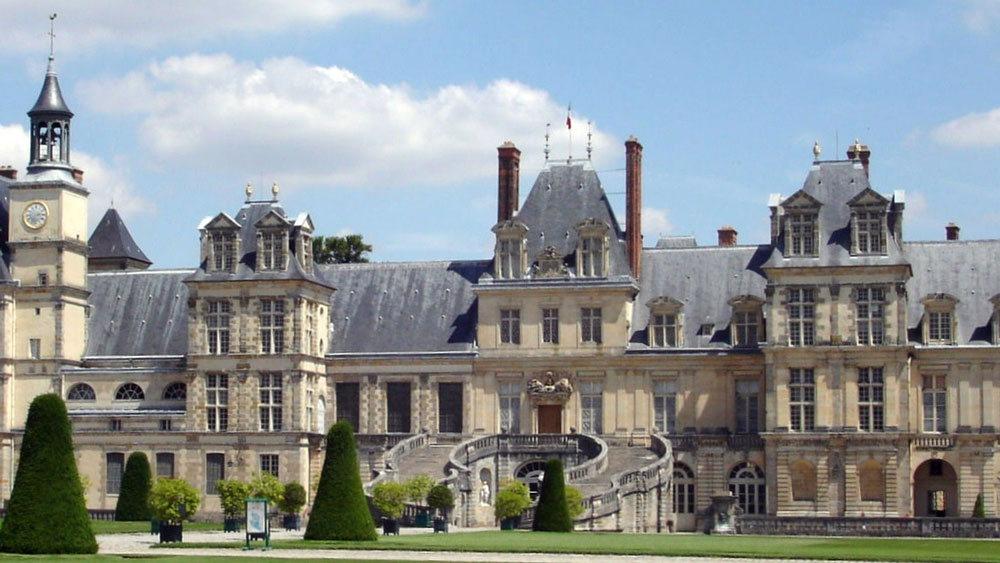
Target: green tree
x=266, y=485
x=133, y=499
x=232, y=496
x=441, y=498
x=390, y=498
x=979, y=510
x=417, y=488
x=511, y=499
x=552, y=513
x=340, y=250
x=340, y=511
x=294, y=498
x=46, y=513
x=574, y=501
x=167, y=497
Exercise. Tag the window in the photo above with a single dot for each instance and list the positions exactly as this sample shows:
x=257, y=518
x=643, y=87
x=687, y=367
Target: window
x=591, y=256
x=665, y=406
x=166, y=425
x=312, y=310
x=871, y=400
x=935, y=403
x=81, y=392
x=801, y=313
x=869, y=233
x=35, y=348
x=310, y=411
x=348, y=397
x=664, y=330
x=746, y=326
x=217, y=325
x=510, y=326
x=272, y=245
x=165, y=464
x=307, y=253
x=129, y=392
x=802, y=228
x=450, y=403
x=590, y=325
x=115, y=469
x=747, y=484
x=270, y=401
x=509, y=258
x=272, y=326
x=224, y=251
x=269, y=464
x=939, y=327
x=939, y=320
x=217, y=402
x=802, y=399
x=398, y=405
x=747, y=407
x=683, y=489
x=115, y=425
x=176, y=391
x=510, y=408
x=591, y=407
x=870, y=305
x=43, y=278
x=215, y=471
x=550, y=326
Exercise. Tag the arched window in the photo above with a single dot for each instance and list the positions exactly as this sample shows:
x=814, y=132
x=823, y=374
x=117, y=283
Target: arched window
x=176, y=391
x=746, y=483
x=871, y=481
x=683, y=489
x=803, y=476
x=129, y=392
x=81, y=392
x=531, y=475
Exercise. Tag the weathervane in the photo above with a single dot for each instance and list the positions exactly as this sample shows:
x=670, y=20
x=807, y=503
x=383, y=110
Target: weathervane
x=52, y=35
x=547, y=125
x=590, y=147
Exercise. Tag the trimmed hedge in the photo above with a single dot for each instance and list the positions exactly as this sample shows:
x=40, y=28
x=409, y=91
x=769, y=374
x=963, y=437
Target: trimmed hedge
x=340, y=511
x=46, y=513
x=133, y=499
x=552, y=513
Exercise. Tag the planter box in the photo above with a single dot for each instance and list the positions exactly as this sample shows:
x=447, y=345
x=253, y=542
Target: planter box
x=171, y=533
x=291, y=521
x=154, y=526
x=390, y=527
x=422, y=520
x=511, y=523
x=232, y=524
x=440, y=525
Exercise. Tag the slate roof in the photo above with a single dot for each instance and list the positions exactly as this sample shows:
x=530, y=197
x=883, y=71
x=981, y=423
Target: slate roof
x=50, y=99
x=111, y=239
x=410, y=307
x=967, y=270
x=137, y=313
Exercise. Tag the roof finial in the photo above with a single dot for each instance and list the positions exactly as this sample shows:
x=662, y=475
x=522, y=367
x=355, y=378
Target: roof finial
x=52, y=39
x=857, y=148
x=249, y=191
x=590, y=146
x=816, y=150
x=274, y=190
x=547, y=125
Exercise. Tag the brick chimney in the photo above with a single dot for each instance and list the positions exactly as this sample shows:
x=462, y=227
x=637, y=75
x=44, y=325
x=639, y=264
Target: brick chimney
x=507, y=180
x=78, y=175
x=727, y=236
x=857, y=151
x=633, y=204
x=951, y=231
x=8, y=171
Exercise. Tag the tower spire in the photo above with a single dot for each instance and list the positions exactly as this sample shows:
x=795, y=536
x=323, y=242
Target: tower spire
x=50, y=119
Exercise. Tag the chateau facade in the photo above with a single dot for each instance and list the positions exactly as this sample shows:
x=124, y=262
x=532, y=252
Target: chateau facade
x=833, y=370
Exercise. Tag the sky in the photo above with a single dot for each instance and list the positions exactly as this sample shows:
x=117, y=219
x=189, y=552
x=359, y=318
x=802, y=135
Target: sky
x=382, y=117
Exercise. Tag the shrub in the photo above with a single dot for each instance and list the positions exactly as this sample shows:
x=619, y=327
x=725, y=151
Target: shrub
x=340, y=511
x=390, y=498
x=294, y=498
x=133, y=499
x=979, y=511
x=574, y=500
x=417, y=488
x=232, y=496
x=440, y=498
x=168, y=495
x=552, y=514
x=266, y=485
x=46, y=513
x=511, y=499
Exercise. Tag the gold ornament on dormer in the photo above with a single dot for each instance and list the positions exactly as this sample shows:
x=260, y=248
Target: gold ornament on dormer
x=857, y=148
x=249, y=191
x=274, y=190
x=816, y=149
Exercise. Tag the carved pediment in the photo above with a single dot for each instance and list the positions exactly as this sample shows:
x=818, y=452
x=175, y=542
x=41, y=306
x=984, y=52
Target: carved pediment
x=550, y=264
x=592, y=224
x=868, y=198
x=550, y=387
x=222, y=221
x=801, y=201
x=510, y=226
x=271, y=220
x=664, y=302
x=746, y=301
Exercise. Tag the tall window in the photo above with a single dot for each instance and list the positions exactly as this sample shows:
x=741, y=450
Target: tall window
x=935, y=406
x=165, y=465
x=217, y=324
x=870, y=306
x=215, y=471
x=312, y=310
x=272, y=250
x=510, y=408
x=665, y=406
x=747, y=484
x=591, y=407
x=802, y=399
x=939, y=326
x=683, y=489
x=871, y=400
x=869, y=232
x=35, y=348
x=217, y=402
x=591, y=256
x=348, y=397
x=270, y=401
x=745, y=327
x=664, y=330
x=510, y=326
x=509, y=257
x=550, y=326
x=590, y=324
x=115, y=470
x=224, y=249
x=269, y=464
x=272, y=326
x=801, y=315
x=747, y=406
x=450, y=402
x=802, y=227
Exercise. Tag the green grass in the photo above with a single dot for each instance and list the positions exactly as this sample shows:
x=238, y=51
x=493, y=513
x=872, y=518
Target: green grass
x=115, y=527
x=169, y=559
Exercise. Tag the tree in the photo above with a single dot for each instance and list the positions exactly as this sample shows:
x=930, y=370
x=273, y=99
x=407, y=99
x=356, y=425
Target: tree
x=552, y=513
x=340, y=250
x=133, y=499
x=46, y=513
x=979, y=511
x=511, y=499
x=294, y=498
x=441, y=498
x=232, y=496
x=574, y=501
x=168, y=496
x=340, y=511
x=390, y=498
x=266, y=485
x=417, y=488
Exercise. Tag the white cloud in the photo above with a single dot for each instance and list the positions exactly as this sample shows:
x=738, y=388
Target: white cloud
x=86, y=25
x=309, y=125
x=971, y=130
x=655, y=224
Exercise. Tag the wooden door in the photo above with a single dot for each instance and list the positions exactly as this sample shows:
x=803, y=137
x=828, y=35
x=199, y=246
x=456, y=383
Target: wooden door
x=550, y=419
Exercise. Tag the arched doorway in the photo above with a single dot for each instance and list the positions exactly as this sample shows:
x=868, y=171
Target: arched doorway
x=531, y=474
x=935, y=489
x=747, y=484
x=684, y=499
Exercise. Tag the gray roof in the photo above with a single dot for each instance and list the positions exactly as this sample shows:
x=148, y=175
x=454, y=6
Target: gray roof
x=412, y=307
x=562, y=197
x=704, y=280
x=111, y=239
x=50, y=99
x=966, y=270
x=137, y=313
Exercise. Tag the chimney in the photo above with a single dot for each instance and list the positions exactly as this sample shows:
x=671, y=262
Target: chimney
x=633, y=203
x=727, y=236
x=857, y=151
x=507, y=180
x=8, y=171
x=78, y=175
x=951, y=231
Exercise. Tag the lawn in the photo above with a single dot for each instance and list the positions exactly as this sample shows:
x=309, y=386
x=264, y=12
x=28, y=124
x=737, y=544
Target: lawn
x=115, y=527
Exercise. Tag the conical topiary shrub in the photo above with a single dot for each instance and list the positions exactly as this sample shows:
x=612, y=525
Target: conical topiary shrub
x=340, y=511
x=552, y=513
x=133, y=499
x=46, y=513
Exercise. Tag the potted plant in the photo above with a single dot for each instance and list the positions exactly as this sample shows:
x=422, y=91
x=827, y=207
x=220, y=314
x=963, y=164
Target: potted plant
x=416, y=493
x=291, y=503
x=510, y=502
x=172, y=501
x=389, y=498
x=232, y=494
x=441, y=499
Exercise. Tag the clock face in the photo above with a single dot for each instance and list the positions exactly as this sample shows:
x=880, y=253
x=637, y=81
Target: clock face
x=35, y=215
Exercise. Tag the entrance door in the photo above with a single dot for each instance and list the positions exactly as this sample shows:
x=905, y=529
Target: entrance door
x=550, y=419
x=935, y=489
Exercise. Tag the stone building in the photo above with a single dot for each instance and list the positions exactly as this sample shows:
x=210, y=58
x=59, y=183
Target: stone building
x=833, y=370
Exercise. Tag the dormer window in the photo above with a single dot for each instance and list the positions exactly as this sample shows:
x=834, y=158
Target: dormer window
x=592, y=249
x=802, y=234
x=746, y=324
x=869, y=232
x=224, y=252
x=510, y=252
x=665, y=322
x=272, y=250
x=306, y=252
x=939, y=319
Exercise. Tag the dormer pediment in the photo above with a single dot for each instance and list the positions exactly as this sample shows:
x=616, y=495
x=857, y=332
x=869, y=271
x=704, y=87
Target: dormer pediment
x=222, y=221
x=592, y=224
x=746, y=302
x=304, y=223
x=869, y=198
x=271, y=220
x=801, y=201
x=510, y=226
x=939, y=299
x=664, y=302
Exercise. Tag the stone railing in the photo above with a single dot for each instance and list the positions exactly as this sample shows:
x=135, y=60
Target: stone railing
x=475, y=449
x=933, y=442
x=375, y=441
x=872, y=527
x=392, y=457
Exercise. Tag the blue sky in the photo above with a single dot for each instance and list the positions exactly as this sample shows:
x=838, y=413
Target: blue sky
x=383, y=118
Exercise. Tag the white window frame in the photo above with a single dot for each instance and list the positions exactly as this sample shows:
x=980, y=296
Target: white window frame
x=802, y=399
x=869, y=232
x=935, y=403
x=801, y=309
x=510, y=326
x=590, y=325
x=664, y=328
x=224, y=251
x=217, y=319
x=591, y=407
x=271, y=399
x=217, y=402
x=273, y=247
x=509, y=395
x=802, y=236
x=272, y=326
x=871, y=399
x=748, y=407
x=665, y=406
x=869, y=304
x=270, y=463
x=550, y=325
x=591, y=256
